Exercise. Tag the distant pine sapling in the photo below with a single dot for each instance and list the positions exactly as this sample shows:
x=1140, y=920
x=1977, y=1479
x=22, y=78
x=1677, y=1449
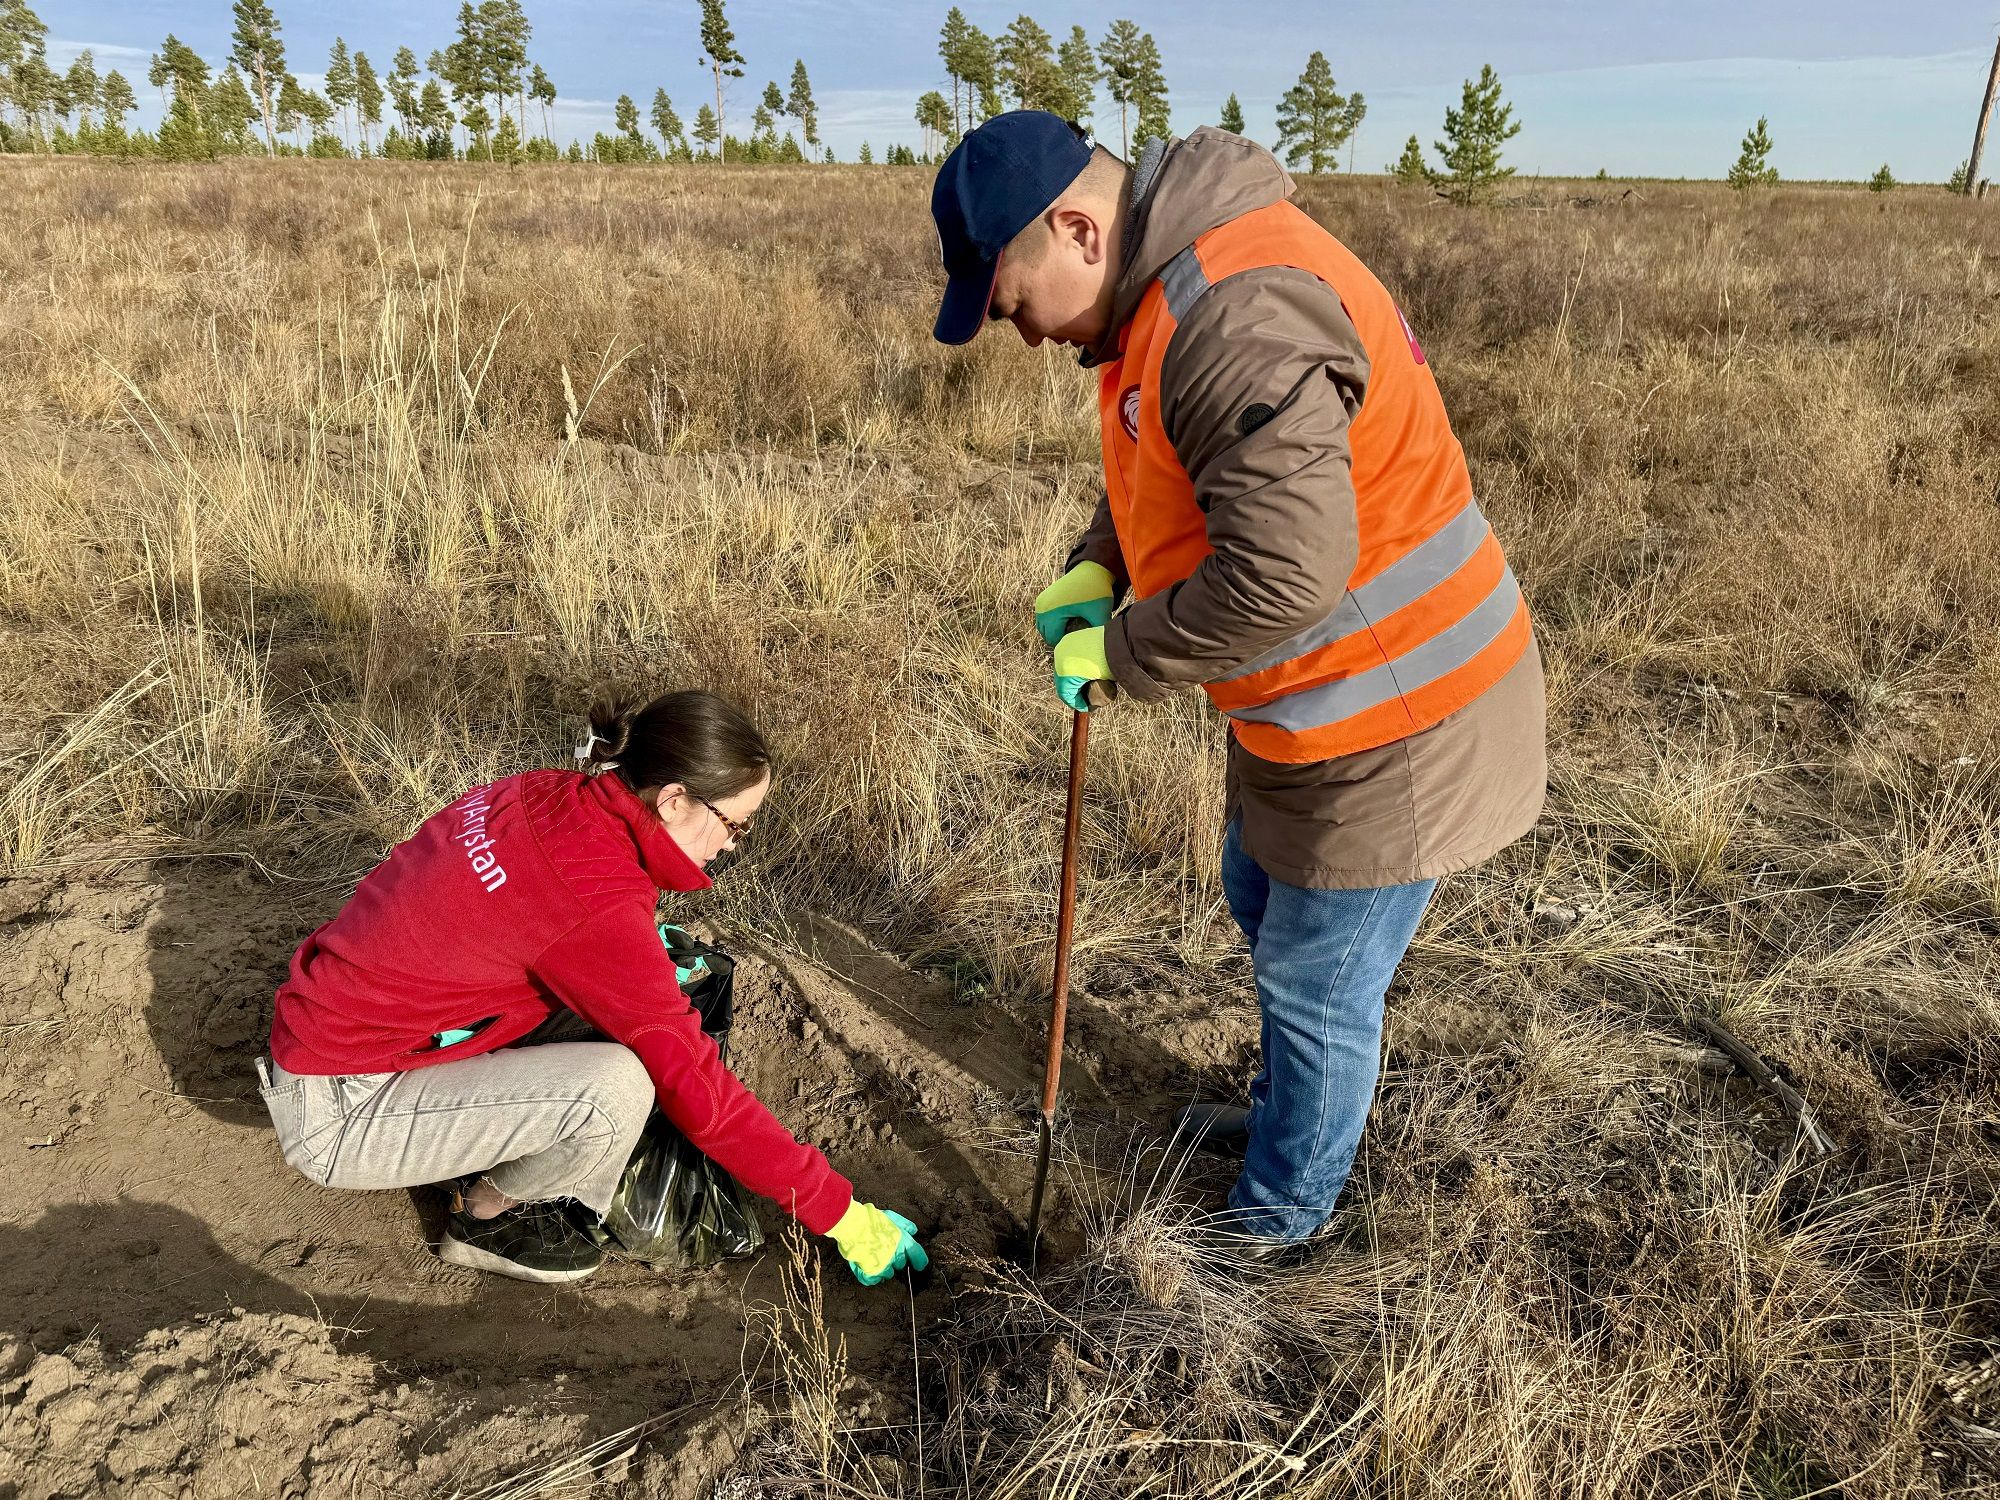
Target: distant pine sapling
x=707, y=130
x=1883, y=181
x=1753, y=167
x=1957, y=181
x=1232, y=116
x=1473, y=136
x=1410, y=168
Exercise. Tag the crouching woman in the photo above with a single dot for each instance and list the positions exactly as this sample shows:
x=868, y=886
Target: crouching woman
x=493, y=1010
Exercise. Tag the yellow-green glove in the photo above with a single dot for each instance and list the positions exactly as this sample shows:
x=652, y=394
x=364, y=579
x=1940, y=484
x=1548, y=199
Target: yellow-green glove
x=1083, y=594
x=1080, y=661
x=876, y=1244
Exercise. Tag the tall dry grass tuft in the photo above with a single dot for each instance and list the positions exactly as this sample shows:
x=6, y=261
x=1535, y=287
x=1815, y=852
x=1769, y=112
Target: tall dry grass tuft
x=324, y=497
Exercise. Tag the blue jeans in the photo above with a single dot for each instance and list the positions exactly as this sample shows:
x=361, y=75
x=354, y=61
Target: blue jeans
x=1323, y=960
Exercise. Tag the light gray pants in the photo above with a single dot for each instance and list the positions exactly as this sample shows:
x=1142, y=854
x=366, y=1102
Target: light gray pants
x=541, y=1119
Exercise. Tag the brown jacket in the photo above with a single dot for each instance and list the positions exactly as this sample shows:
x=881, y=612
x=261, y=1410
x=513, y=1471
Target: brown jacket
x=1281, y=523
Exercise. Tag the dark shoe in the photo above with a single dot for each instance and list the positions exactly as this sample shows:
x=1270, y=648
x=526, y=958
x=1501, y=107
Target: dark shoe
x=535, y=1242
x=1232, y=1250
x=1223, y=1128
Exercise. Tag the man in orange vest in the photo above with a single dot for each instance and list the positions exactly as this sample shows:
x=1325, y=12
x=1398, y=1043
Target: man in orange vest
x=1294, y=521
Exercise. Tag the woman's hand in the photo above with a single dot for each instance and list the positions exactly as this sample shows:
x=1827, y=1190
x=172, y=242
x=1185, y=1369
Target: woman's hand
x=876, y=1243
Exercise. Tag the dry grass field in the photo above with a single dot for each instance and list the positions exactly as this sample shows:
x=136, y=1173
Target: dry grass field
x=329, y=489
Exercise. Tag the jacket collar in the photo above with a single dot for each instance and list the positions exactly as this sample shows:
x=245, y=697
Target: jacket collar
x=1181, y=189
x=663, y=860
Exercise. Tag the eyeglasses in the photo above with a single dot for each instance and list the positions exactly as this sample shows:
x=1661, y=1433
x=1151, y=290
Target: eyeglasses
x=736, y=830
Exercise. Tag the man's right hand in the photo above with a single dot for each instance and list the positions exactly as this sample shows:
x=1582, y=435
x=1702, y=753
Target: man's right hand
x=1083, y=594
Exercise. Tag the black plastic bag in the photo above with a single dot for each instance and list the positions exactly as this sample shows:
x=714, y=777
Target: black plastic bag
x=673, y=1205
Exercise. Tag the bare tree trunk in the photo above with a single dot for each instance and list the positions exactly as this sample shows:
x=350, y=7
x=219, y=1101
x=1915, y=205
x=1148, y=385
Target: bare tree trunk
x=264, y=99
x=1979, y=135
x=721, y=130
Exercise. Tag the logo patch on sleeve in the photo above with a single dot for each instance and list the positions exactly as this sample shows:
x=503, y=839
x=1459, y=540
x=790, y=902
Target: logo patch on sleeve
x=1128, y=412
x=1254, y=417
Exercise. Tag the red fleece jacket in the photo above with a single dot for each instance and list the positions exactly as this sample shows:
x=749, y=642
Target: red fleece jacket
x=536, y=891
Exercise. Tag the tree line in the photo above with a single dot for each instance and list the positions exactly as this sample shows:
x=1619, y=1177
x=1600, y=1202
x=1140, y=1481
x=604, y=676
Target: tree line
x=471, y=99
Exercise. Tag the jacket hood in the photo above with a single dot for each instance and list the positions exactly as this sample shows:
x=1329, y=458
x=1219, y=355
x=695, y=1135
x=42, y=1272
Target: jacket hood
x=664, y=861
x=1181, y=189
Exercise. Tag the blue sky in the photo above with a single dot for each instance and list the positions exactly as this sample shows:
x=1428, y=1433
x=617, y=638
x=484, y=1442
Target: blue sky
x=1636, y=88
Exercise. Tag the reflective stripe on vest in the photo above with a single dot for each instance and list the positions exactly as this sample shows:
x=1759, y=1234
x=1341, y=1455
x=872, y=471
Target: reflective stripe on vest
x=1431, y=616
x=1455, y=647
x=1402, y=583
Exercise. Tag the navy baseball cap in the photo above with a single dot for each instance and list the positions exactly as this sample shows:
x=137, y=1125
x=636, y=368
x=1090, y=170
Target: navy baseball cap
x=995, y=183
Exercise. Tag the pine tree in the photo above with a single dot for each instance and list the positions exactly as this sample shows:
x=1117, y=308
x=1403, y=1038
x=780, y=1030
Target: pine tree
x=435, y=119
x=1027, y=59
x=1474, y=134
x=467, y=66
x=1232, y=116
x=1135, y=81
x=23, y=61
x=626, y=114
x=403, y=90
x=1150, y=101
x=666, y=123
x=1410, y=168
x=951, y=52
x=117, y=100
x=1753, y=167
x=367, y=98
x=506, y=35
x=231, y=113
x=542, y=89
x=867, y=158
x=719, y=55
x=799, y=103
x=317, y=112
x=764, y=118
x=179, y=71
x=81, y=86
x=1882, y=181
x=934, y=116
x=340, y=80
x=982, y=77
x=36, y=89
x=1315, y=119
x=1956, y=184
x=257, y=50
x=1076, y=61
x=707, y=129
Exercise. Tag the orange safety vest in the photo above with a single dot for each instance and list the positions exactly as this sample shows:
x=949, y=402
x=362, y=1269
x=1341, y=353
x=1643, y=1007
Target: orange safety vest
x=1432, y=616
